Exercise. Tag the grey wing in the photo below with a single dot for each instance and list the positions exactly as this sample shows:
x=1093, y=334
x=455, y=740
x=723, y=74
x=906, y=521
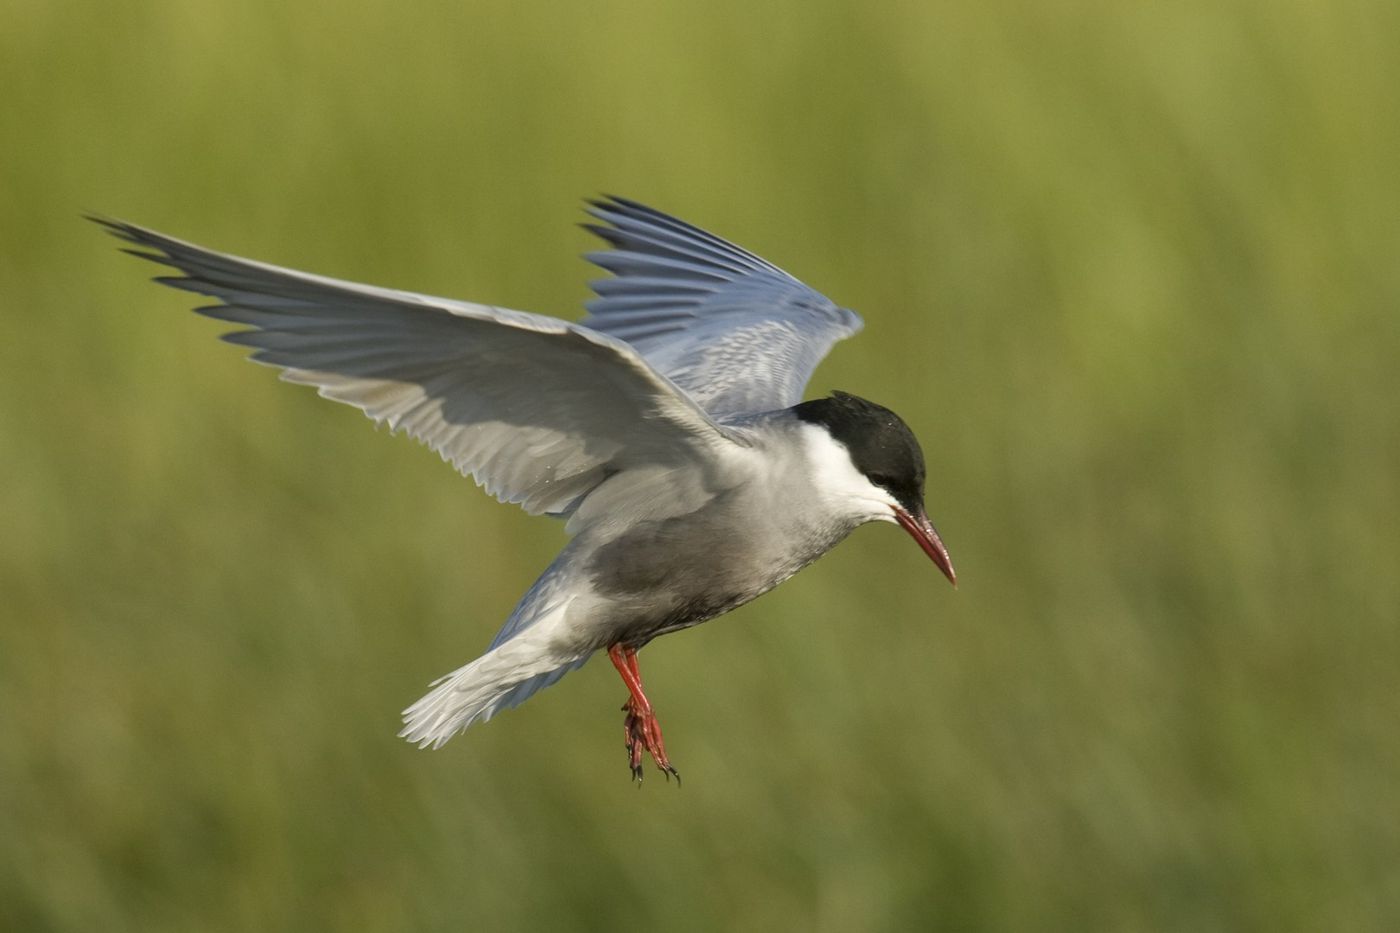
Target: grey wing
x=538, y=411
x=737, y=333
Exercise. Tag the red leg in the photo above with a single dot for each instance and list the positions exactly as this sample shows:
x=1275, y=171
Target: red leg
x=642, y=730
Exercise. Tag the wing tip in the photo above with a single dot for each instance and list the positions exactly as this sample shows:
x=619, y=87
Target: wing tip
x=111, y=224
x=120, y=229
x=606, y=199
x=146, y=244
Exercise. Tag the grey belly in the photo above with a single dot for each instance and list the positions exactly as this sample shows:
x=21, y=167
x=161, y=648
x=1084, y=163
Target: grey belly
x=668, y=575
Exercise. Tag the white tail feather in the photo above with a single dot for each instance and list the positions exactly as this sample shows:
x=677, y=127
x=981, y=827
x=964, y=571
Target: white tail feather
x=501, y=678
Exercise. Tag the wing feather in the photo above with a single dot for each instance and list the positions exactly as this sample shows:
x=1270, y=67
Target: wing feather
x=537, y=410
x=734, y=331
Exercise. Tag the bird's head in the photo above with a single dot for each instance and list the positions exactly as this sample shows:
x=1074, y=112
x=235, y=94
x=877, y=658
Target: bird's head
x=866, y=454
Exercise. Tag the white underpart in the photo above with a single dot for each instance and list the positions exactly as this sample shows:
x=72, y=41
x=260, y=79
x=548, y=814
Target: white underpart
x=503, y=677
x=836, y=478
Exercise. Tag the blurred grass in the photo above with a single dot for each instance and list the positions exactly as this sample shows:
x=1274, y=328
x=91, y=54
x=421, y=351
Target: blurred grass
x=1129, y=270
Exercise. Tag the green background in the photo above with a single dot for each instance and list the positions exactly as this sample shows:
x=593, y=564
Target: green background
x=1129, y=270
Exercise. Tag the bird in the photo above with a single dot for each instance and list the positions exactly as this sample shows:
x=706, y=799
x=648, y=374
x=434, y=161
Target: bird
x=667, y=430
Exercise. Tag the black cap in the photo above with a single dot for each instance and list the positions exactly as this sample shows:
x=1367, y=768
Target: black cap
x=880, y=444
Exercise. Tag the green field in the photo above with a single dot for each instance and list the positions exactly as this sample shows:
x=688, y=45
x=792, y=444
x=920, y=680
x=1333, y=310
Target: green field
x=1131, y=271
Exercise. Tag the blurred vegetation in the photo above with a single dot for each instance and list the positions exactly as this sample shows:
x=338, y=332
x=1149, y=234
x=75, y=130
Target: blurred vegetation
x=1129, y=269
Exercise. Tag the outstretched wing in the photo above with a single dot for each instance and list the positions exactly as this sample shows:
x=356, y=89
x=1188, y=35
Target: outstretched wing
x=737, y=333
x=538, y=411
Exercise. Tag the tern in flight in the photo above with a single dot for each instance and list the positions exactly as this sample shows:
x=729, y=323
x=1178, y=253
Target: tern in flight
x=667, y=428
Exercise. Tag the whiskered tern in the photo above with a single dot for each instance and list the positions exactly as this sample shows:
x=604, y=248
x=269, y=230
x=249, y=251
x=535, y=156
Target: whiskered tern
x=666, y=428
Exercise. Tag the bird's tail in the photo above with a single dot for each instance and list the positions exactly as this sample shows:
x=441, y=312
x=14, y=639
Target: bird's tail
x=502, y=678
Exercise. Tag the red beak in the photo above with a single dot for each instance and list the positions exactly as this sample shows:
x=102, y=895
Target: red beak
x=922, y=531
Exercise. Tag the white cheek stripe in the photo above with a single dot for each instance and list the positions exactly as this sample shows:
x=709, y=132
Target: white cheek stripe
x=837, y=477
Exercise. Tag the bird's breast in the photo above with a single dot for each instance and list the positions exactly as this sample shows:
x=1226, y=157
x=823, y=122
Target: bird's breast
x=664, y=575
